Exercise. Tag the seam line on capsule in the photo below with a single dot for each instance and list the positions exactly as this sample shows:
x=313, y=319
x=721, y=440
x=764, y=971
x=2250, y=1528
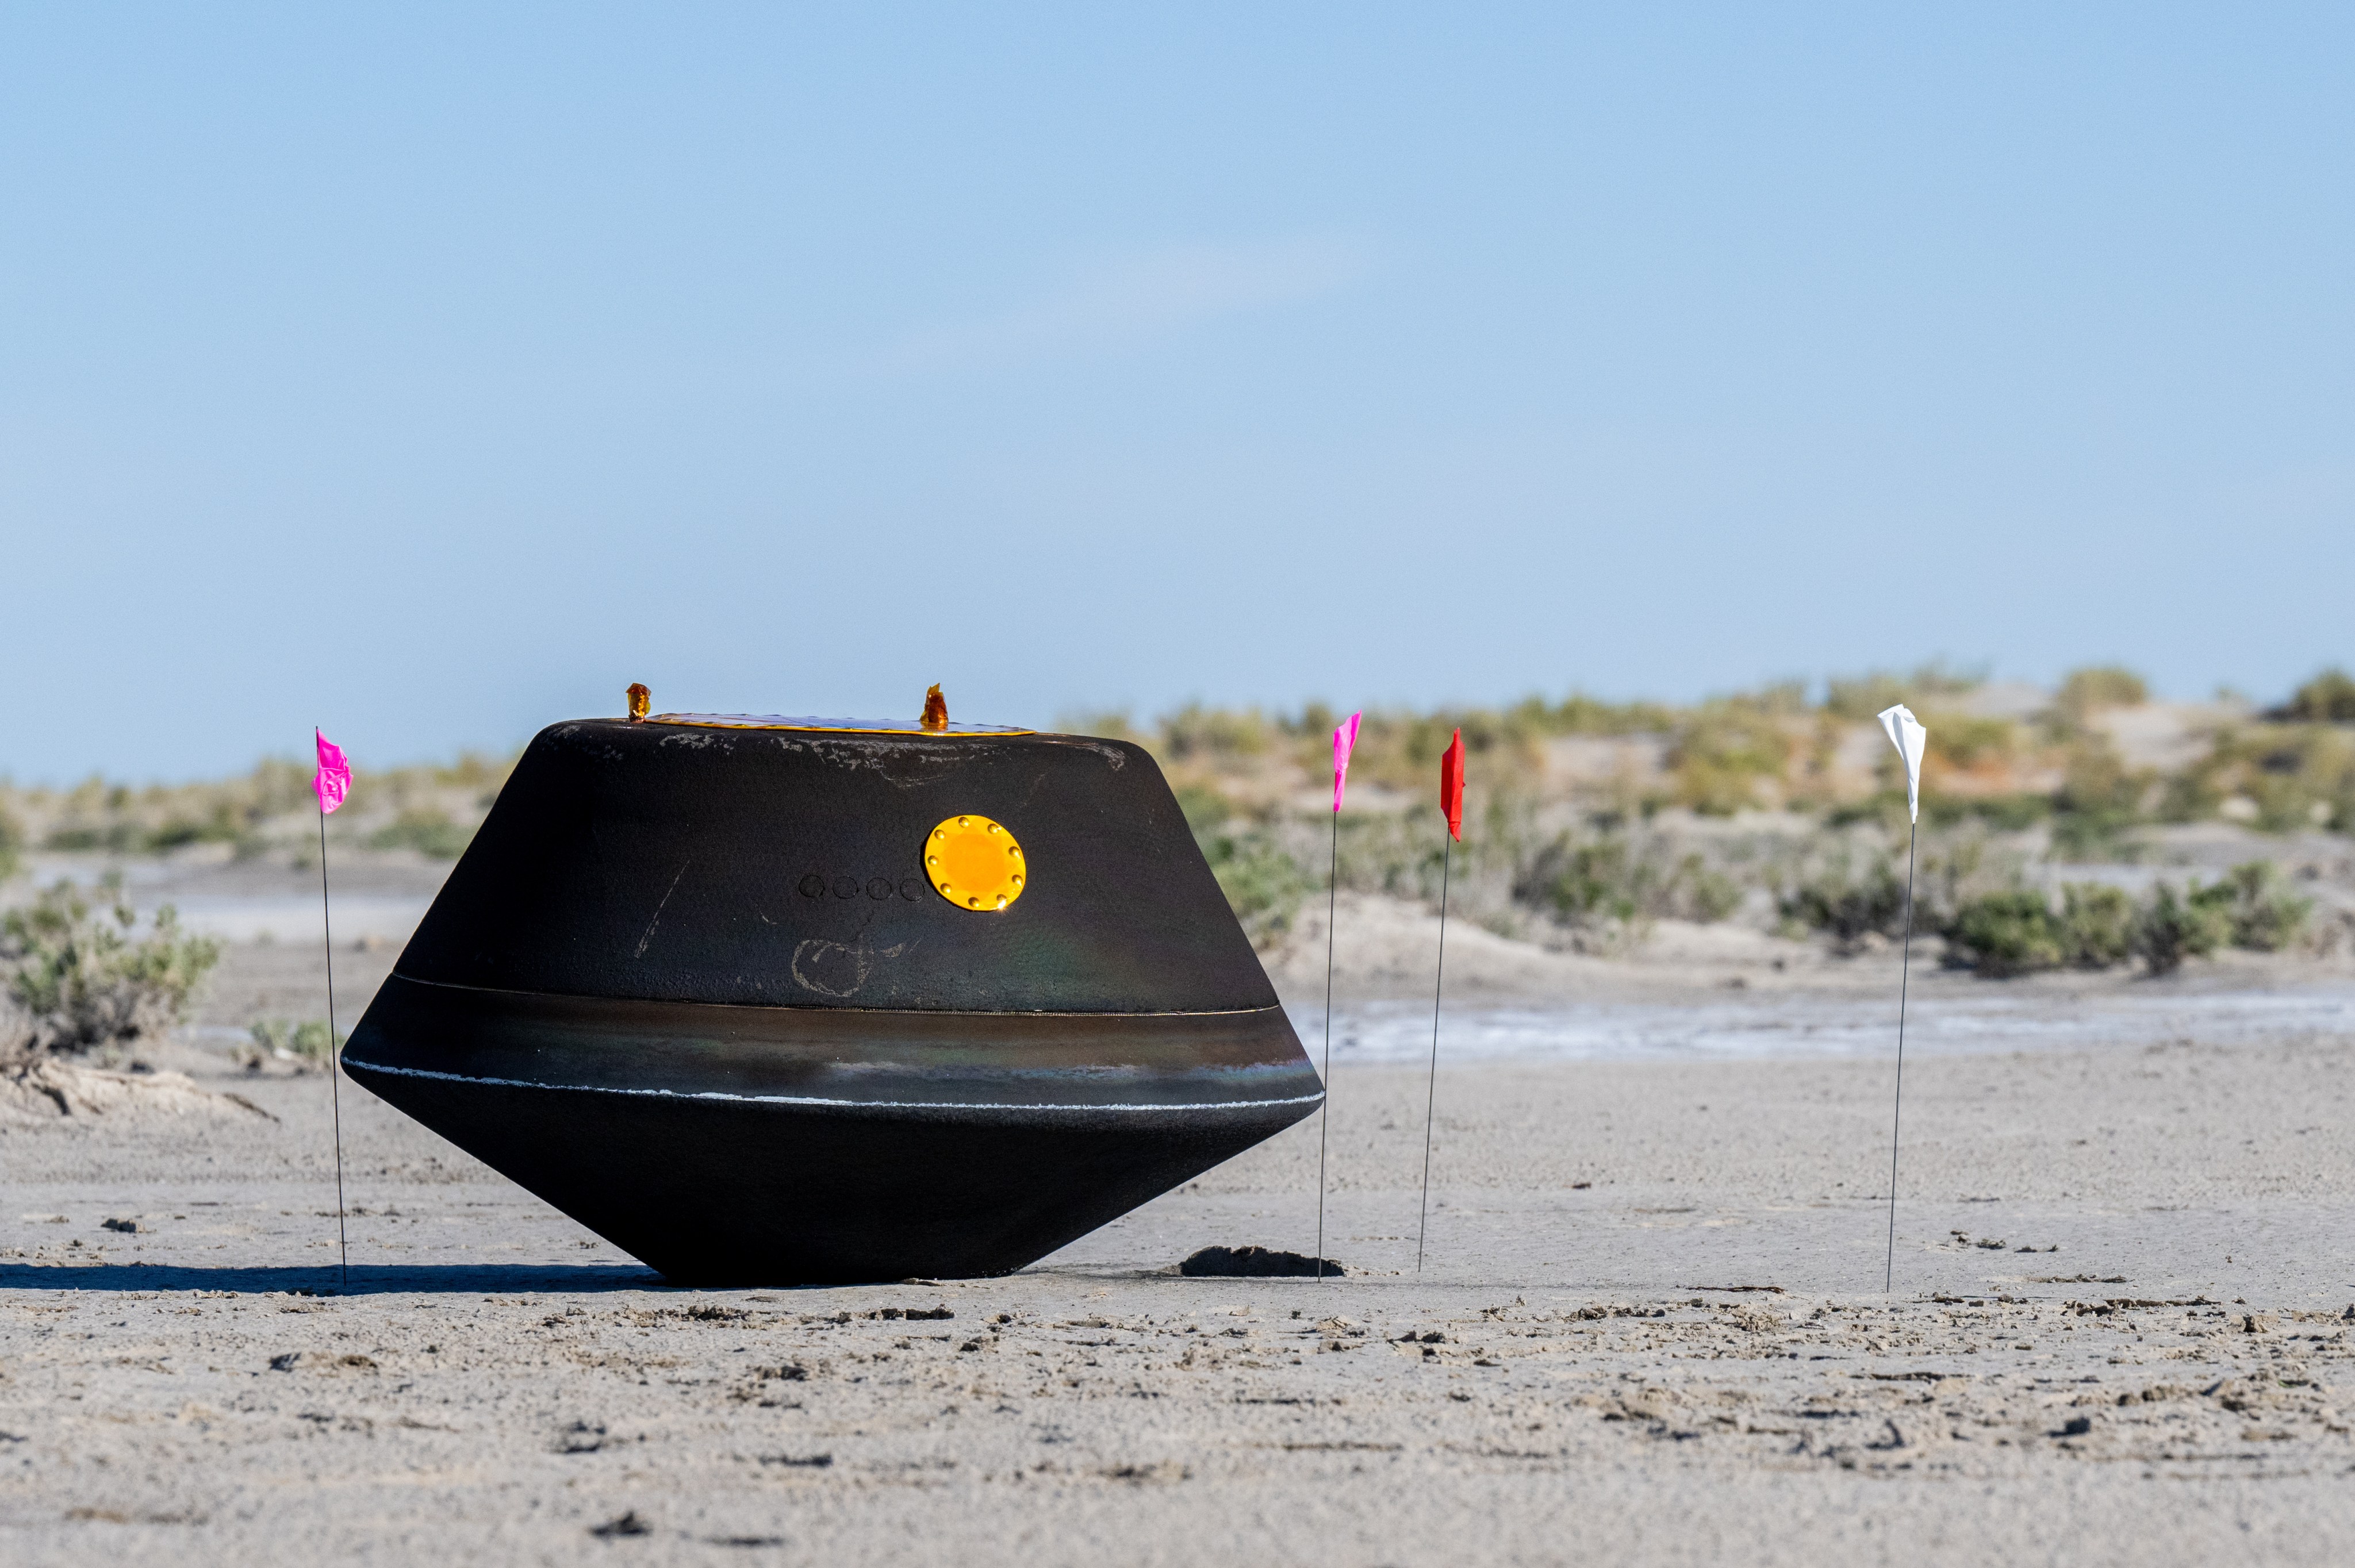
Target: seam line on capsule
x=819, y=1100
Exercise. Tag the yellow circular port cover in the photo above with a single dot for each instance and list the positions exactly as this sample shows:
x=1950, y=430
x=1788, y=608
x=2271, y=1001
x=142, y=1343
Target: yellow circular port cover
x=975, y=863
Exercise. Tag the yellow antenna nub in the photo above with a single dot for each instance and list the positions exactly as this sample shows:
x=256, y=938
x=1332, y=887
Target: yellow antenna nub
x=936, y=710
x=975, y=863
x=640, y=700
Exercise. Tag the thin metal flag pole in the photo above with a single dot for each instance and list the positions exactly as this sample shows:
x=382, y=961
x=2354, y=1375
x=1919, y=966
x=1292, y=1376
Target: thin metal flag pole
x=1325, y=1112
x=1430, y=1099
x=334, y=1057
x=1897, y=1110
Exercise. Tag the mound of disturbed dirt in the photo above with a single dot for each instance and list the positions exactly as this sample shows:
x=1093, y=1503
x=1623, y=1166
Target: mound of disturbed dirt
x=1254, y=1263
x=45, y=1089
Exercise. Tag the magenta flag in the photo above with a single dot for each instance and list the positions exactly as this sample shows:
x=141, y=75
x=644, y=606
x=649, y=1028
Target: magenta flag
x=1345, y=741
x=334, y=779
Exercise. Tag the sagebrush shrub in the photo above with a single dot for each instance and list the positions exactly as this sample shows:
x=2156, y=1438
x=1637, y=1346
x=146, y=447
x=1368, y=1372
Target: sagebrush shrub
x=308, y=1045
x=2170, y=928
x=2264, y=915
x=2097, y=925
x=88, y=978
x=2003, y=934
x=1846, y=900
x=1617, y=882
x=1263, y=884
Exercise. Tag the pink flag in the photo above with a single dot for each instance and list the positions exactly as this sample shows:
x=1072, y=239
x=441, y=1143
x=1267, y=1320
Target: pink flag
x=333, y=780
x=1345, y=741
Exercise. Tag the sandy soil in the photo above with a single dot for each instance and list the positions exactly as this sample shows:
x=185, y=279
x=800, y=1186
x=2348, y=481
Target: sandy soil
x=1650, y=1325
x=1650, y=1328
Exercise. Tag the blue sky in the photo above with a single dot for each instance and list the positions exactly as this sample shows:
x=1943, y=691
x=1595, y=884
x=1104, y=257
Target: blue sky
x=430, y=375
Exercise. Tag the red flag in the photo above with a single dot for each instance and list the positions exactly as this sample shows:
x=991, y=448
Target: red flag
x=1451, y=786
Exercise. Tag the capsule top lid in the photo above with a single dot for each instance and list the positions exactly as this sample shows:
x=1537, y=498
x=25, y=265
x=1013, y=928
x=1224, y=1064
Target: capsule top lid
x=838, y=725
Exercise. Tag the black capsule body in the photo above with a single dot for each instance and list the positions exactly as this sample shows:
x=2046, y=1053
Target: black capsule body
x=692, y=984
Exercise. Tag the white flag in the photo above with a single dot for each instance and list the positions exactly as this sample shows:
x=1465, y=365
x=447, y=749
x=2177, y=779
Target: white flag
x=1906, y=734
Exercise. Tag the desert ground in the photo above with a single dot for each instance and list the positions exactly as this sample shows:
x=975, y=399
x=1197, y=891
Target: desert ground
x=1650, y=1324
